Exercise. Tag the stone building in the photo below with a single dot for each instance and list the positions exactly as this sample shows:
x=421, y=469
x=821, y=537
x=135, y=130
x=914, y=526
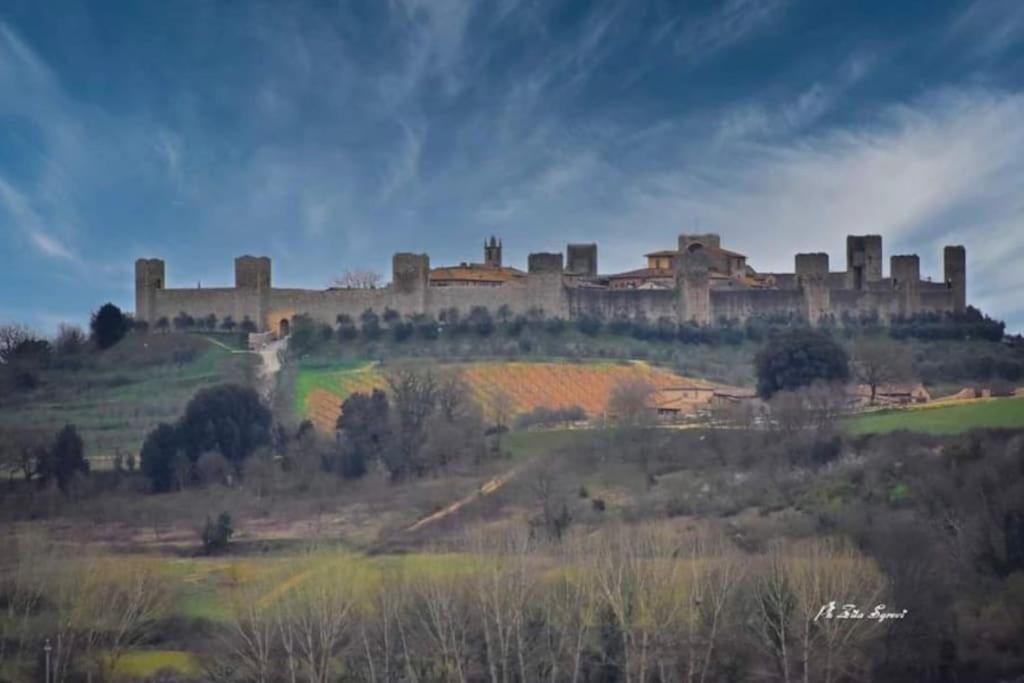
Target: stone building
x=699, y=282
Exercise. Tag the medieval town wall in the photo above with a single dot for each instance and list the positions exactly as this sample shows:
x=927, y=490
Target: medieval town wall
x=812, y=291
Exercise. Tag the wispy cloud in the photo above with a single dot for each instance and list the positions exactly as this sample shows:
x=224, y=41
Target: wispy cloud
x=701, y=38
x=25, y=219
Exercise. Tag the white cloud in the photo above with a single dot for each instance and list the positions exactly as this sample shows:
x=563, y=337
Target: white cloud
x=25, y=218
x=730, y=23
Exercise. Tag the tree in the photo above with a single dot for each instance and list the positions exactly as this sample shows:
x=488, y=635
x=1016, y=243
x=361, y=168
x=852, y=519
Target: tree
x=358, y=279
x=879, y=361
x=157, y=457
x=797, y=359
x=227, y=418
x=370, y=324
x=70, y=340
x=630, y=403
x=365, y=422
x=414, y=397
x=11, y=336
x=480, y=319
x=228, y=323
x=65, y=458
x=303, y=335
x=108, y=325
x=184, y=322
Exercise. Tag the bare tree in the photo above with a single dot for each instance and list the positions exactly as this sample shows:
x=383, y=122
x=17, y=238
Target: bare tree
x=502, y=406
x=440, y=606
x=630, y=403
x=316, y=617
x=11, y=335
x=800, y=591
x=879, y=361
x=101, y=608
x=570, y=605
x=358, y=279
x=646, y=590
x=248, y=645
x=413, y=395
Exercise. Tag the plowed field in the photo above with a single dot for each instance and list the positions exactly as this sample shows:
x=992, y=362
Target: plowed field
x=521, y=386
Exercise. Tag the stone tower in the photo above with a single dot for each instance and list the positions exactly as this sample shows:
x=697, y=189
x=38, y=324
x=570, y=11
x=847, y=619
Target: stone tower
x=492, y=252
x=149, y=277
x=693, y=287
x=905, y=271
x=582, y=260
x=252, y=272
x=954, y=261
x=812, y=277
x=863, y=260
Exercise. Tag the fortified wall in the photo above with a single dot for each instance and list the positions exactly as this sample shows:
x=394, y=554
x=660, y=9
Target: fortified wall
x=699, y=282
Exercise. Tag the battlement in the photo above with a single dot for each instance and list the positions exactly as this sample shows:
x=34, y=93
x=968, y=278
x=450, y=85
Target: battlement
x=699, y=282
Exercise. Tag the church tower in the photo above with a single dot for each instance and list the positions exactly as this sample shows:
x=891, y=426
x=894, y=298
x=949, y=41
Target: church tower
x=492, y=252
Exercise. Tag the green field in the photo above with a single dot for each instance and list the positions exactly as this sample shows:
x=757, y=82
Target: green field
x=340, y=377
x=951, y=419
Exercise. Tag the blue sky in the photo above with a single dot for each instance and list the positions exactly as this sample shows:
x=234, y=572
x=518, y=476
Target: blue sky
x=329, y=135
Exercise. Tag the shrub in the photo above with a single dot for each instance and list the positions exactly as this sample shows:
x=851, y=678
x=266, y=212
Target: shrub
x=589, y=325
x=216, y=534
x=65, y=459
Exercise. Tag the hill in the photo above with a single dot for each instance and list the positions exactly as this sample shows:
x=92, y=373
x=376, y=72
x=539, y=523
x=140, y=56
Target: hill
x=514, y=387
x=116, y=397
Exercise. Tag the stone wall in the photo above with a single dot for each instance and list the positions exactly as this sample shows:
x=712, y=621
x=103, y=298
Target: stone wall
x=571, y=290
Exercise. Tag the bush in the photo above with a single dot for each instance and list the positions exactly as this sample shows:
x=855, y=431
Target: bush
x=216, y=534
x=370, y=322
x=589, y=325
x=542, y=416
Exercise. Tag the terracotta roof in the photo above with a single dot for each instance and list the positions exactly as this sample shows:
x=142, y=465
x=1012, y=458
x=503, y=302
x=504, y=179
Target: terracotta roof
x=476, y=272
x=642, y=273
x=663, y=252
x=727, y=252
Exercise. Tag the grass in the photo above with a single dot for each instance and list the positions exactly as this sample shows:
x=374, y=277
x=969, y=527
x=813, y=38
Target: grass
x=117, y=398
x=950, y=419
x=139, y=664
x=533, y=442
x=339, y=377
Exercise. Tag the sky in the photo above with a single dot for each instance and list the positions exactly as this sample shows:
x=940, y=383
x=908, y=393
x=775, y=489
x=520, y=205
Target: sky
x=328, y=135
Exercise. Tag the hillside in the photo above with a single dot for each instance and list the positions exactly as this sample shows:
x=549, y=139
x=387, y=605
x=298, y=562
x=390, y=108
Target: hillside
x=115, y=398
x=515, y=387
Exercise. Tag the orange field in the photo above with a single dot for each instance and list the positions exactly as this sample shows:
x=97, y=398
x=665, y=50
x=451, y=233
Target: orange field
x=520, y=386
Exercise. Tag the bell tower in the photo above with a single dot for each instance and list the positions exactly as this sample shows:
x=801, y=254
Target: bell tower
x=492, y=252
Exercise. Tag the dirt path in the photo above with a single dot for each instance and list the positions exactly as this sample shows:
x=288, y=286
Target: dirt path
x=486, y=489
x=271, y=365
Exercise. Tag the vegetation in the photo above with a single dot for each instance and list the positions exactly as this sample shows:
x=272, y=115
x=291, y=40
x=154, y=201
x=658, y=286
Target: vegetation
x=109, y=326
x=457, y=524
x=798, y=359
x=1003, y=413
x=227, y=420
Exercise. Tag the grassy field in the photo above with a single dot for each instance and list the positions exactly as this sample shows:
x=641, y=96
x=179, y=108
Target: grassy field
x=115, y=399
x=944, y=419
